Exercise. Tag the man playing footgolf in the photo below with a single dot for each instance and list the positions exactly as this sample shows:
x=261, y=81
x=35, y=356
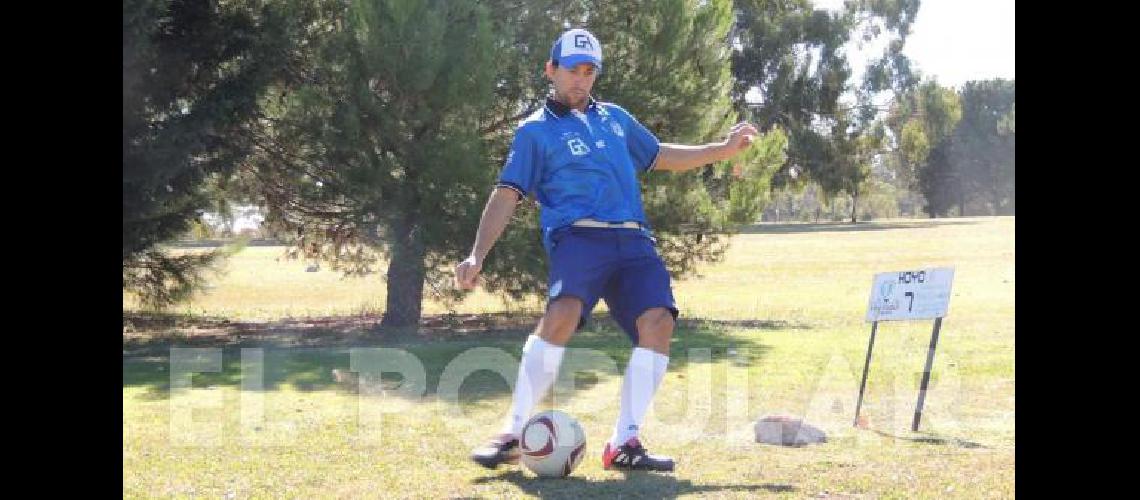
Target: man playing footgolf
x=580, y=159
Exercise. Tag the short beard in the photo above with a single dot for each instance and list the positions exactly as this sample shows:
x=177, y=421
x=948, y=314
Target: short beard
x=565, y=99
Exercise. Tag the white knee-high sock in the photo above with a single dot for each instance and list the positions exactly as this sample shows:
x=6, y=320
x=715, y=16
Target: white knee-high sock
x=537, y=371
x=642, y=377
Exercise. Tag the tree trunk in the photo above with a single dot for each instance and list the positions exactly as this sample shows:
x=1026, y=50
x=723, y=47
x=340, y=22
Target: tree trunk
x=961, y=199
x=405, y=277
x=854, y=207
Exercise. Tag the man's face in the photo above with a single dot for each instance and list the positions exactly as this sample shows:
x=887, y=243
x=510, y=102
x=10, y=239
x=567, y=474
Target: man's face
x=572, y=85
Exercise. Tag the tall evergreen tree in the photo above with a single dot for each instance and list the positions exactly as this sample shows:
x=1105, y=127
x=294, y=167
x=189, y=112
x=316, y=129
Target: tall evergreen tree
x=382, y=154
x=193, y=71
x=941, y=182
x=391, y=151
x=976, y=160
x=984, y=145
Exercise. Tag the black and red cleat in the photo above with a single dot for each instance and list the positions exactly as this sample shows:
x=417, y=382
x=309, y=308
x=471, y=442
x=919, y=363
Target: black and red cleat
x=632, y=456
x=501, y=450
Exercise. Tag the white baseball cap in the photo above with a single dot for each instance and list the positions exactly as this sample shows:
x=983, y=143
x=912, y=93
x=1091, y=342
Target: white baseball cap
x=576, y=46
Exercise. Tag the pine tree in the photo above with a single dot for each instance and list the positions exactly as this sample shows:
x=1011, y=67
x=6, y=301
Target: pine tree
x=193, y=71
x=393, y=148
x=382, y=154
x=984, y=146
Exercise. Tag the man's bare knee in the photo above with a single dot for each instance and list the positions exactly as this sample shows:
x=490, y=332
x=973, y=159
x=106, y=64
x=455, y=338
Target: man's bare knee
x=655, y=329
x=560, y=321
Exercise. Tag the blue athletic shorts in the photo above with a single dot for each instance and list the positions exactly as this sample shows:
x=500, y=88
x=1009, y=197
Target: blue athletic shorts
x=619, y=265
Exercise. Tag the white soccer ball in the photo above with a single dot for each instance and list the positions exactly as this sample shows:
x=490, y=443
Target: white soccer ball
x=552, y=444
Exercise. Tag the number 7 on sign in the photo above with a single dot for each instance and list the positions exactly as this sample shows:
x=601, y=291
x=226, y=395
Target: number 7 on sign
x=910, y=306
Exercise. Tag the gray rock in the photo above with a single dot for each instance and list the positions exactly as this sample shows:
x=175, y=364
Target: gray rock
x=787, y=431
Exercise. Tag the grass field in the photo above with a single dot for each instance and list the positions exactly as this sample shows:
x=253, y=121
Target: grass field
x=776, y=328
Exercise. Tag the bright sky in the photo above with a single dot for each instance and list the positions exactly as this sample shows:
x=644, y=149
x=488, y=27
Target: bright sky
x=956, y=41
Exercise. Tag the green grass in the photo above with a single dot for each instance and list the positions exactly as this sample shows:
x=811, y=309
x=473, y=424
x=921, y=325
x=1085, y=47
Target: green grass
x=788, y=300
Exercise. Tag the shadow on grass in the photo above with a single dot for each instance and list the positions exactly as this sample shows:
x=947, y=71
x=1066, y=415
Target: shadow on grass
x=928, y=439
x=628, y=485
x=303, y=353
x=829, y=227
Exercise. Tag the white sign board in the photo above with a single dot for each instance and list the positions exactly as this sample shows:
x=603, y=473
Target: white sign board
x=918, y=294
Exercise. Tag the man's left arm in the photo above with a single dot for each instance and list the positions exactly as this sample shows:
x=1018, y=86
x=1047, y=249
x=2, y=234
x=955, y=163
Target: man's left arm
x=680, y=157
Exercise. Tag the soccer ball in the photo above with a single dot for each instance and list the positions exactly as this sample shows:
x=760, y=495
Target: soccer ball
x=552, y=444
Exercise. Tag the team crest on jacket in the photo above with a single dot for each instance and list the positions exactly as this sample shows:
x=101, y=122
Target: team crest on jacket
x=577, y=146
